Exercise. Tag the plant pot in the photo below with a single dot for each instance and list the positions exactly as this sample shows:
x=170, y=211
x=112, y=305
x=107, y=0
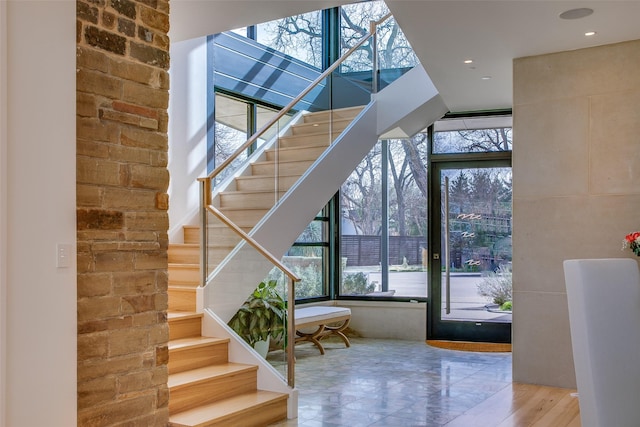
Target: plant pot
x=262, y=347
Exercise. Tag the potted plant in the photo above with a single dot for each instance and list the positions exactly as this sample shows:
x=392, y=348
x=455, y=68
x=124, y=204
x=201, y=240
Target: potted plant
x=263, y=316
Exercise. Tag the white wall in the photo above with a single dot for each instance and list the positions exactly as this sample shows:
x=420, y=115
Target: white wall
x=37, y=211
x=187, y=131
x=576, y=167
x=3, y=209
x=388, y=320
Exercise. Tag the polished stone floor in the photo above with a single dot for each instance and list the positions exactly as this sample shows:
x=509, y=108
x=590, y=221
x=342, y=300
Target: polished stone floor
x=392, y=383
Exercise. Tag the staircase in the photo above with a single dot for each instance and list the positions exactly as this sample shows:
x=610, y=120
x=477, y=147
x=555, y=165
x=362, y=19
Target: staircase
x=205, y=388
x=252, y=195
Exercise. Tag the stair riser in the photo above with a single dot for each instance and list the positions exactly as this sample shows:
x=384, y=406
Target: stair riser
x=289, y=168
x=182, y=299
x=184, y=274
x=197, y=357
x=216, y=247
x=245, y=218
x=317, y=140
x=335, y=126
x=211, y=390
x=253, y=417
x=221, y=237
x=324, y=116
x=191, y=234
x=185, y=328
x=267, y=183
x=183, y=254
x=234, y=200
x=295, y=154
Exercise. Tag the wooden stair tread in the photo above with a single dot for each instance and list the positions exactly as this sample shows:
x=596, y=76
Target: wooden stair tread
x=177, y=315
x=340, y=113
x=225, y=408
x=266, y=177
x=184, y=343
x=270, y=162
x=180, y=379
x=319, y=133
x=184, y=245
x=244, y=209
x=318, y=123
x=183, y=265
x=295, y=148
x=249, y=192
x=182, y=286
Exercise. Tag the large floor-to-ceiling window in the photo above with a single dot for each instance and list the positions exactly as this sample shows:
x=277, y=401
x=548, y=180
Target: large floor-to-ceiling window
x=379, y=214
x=384, y=222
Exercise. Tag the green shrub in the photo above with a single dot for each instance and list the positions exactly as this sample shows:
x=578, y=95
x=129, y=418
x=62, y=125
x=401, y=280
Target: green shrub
x=507, y=306
x=356, y=284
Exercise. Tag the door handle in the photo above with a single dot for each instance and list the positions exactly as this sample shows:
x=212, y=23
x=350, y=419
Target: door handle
x=447, y=279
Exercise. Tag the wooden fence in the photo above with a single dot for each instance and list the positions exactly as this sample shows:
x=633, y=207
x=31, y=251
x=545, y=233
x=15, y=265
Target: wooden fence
x=365, y=250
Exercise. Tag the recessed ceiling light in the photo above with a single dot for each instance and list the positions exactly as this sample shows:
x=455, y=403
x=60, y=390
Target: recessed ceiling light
x=581, y=12
x=486, y=77
x=468, y=61
x=590, y=33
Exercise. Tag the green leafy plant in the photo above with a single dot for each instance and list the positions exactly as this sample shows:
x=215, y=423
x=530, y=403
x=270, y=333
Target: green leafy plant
x=356, y=284
x=263, y=315
x=497, y=285
x=507, y=306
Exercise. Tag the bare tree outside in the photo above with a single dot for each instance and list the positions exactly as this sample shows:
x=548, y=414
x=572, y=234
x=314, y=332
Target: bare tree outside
x=473, y=141
x=300, y=36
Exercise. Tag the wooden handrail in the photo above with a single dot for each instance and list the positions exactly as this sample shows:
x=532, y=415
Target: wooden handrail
x=205, y=200
x=297, y=99
x=257, y=246
x=290, y=289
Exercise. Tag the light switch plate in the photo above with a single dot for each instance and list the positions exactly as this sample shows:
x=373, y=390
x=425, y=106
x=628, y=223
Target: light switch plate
x=64, y=254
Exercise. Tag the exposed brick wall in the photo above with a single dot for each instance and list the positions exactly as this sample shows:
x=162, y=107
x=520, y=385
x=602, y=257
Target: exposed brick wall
x=122, y=181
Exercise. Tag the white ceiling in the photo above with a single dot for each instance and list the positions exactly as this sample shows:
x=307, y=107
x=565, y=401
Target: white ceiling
x=444, y=33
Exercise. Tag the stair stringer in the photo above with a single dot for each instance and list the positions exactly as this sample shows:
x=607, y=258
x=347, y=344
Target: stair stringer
x=408, y=105
x=269, y=378
x=276, y=232
x=394, y=107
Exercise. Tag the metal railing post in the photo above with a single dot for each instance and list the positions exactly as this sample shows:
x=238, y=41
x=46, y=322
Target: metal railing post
x=373, y=29
x=291, y=335
x=205, y=192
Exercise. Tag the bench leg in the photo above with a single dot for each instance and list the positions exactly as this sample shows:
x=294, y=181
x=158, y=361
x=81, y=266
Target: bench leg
x=323, y=331
x=313, y=337
x=338, y=330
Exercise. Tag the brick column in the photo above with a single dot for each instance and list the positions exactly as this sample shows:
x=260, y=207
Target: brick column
x=122, y=201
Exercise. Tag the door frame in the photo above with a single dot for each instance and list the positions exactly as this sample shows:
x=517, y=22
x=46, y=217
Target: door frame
x=456, y=330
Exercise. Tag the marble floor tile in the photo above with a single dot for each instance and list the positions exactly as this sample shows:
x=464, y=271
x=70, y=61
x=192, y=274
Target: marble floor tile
x=381, y=383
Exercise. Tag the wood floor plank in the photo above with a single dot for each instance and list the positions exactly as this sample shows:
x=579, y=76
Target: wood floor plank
x=561, y=414
x=519, y=405
x=529, y=413
x=497, y=408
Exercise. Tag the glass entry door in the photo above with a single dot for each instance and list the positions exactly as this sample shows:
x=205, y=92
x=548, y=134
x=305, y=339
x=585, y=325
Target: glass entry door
x=470, y=263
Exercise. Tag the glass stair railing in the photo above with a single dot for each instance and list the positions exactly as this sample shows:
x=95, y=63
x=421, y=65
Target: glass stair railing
x=238, y=194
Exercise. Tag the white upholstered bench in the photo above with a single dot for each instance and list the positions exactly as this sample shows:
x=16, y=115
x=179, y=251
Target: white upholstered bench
x=325, y=321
